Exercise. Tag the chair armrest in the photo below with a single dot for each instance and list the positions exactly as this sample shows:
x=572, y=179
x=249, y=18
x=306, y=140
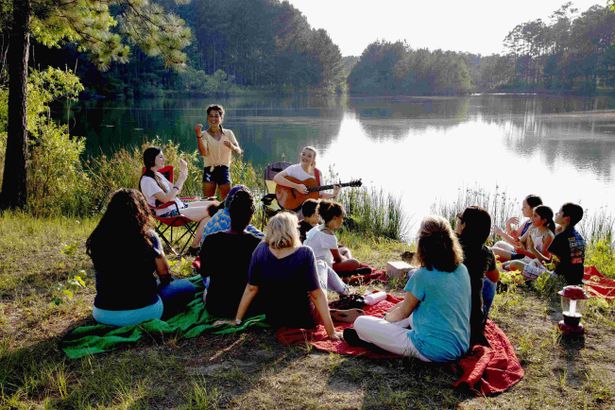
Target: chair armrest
x=166, y=205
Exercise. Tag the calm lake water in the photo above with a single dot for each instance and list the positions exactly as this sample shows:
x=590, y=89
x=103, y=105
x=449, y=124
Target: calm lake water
x=423, y=150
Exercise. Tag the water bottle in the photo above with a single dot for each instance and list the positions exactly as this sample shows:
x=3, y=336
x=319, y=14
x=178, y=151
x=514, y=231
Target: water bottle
x=373, y=298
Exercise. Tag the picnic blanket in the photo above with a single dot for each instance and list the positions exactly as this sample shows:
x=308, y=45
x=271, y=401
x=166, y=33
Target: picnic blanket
x=492, y=369
x=596, y=284
x=193, y=321
x=318, y=337
x=485, y=369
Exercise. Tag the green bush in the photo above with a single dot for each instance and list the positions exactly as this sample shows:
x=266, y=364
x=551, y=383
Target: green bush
x=55, y=180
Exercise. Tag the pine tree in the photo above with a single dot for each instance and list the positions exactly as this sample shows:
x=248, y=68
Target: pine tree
x=102, y=28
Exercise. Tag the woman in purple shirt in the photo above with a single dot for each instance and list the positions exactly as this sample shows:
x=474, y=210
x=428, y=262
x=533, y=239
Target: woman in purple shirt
x=283, y=274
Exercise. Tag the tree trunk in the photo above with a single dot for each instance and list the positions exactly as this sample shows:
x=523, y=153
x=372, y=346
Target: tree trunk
x=14, y=191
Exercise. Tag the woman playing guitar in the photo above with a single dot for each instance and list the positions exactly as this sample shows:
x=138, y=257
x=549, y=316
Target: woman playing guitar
x=305, y=169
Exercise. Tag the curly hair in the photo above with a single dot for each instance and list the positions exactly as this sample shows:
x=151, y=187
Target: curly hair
x=123, y=228
x=438, y=246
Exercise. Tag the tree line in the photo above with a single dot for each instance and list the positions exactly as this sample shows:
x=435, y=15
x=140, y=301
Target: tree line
x=570, y=52
x=234, y=44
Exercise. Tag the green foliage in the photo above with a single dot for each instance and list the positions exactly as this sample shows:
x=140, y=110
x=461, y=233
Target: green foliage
x=55, y=180
x=395, y=69
x=547, y=284
x=98, y=28
x=602, y=255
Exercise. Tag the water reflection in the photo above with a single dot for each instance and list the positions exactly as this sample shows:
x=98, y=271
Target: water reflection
x=268, y=127
x=382, y=118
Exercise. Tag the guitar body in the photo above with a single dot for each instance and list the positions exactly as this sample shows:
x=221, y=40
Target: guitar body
x=290, y=198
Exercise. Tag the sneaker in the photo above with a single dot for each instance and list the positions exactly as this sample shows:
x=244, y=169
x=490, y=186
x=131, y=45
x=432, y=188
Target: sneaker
x=352, y=338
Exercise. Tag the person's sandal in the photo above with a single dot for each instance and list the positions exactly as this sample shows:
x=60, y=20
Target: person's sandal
x=348, y=302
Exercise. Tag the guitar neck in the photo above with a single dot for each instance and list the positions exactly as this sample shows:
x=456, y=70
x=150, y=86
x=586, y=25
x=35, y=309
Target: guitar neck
x=325, y=187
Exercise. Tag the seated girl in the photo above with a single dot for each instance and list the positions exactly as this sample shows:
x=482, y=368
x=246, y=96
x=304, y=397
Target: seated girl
x=158, y=190
x=126, y=252
x=283, y=274
x=536, y=243
x=221, y=221
x=432, y=323
x=510, y=247
x=472, y=228
x=226, y=255
x=323, y=241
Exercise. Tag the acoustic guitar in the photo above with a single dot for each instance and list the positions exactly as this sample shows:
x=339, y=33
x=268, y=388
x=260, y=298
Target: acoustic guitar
x=291, y=199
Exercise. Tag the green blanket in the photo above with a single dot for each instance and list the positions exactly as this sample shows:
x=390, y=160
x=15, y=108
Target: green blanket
x=88, y=340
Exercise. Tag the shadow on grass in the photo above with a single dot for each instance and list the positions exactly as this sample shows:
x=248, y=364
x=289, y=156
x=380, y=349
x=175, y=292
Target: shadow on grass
x=399, y=384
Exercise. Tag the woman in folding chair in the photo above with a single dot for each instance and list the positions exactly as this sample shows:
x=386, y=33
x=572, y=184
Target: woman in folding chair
x=126, y=252
x=158, y=190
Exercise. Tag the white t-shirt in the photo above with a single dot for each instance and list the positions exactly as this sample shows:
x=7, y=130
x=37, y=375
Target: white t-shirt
x=150, y=188
x=296, y=171
x=321, y=243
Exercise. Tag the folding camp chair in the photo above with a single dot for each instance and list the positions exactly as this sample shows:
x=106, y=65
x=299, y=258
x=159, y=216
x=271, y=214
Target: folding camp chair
x=269, y=202
x=171, y=225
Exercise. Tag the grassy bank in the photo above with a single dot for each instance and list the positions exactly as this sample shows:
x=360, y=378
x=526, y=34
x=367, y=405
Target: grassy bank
x=42, y=299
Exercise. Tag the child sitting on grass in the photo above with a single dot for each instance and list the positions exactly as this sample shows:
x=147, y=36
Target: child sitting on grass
x=472, y=228
x=509, y=248
x=323, y=241
x=568, y=245
x=536, y=242
x=309, y=209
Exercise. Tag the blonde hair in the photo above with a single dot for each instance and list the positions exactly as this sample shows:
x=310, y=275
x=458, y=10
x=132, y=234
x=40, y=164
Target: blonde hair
x=313, y=149
x=438, y=247
x=281, y=231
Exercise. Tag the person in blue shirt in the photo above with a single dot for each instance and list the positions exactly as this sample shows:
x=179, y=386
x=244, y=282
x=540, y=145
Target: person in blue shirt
x=432, y=323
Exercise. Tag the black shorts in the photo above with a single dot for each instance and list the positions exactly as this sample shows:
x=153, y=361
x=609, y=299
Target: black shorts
x=220, y=175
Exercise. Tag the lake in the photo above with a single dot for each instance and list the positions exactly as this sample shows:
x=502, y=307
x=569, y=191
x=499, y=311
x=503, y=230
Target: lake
x=425, y=151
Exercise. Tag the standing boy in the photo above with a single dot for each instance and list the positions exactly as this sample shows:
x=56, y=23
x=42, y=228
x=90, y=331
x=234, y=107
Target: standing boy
x=569, y=245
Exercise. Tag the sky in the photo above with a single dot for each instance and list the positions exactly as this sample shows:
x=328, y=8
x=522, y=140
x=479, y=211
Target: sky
x=477, y=26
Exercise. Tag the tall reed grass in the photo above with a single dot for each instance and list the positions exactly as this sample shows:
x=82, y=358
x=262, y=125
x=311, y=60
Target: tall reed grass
x=375, y=212
x=596, y=226
x=498, y=203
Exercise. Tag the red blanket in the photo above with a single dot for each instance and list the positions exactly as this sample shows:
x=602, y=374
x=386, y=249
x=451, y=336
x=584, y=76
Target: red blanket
x=318, y=337
x=596, y=284
x=490, y=369
x=485, y=369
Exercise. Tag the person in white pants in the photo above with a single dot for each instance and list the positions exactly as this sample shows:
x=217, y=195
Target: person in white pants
x=432, y=323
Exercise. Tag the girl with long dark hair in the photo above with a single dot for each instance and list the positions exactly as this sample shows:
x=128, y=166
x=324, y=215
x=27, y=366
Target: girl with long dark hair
x=126, y=252
x=159, y=190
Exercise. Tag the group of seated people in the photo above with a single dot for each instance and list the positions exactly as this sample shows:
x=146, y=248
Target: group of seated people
x=286, y=271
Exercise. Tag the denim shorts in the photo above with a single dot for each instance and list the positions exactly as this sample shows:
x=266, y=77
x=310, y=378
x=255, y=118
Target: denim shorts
x=220, y=175
x=172, y=212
